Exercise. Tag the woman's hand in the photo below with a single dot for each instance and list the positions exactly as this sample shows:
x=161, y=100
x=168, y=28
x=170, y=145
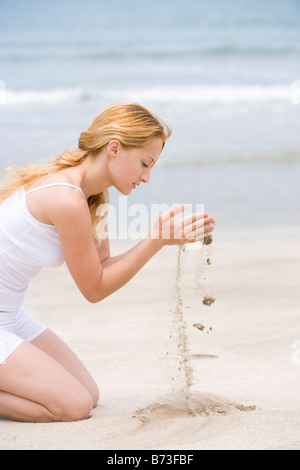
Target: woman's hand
x=179, y=231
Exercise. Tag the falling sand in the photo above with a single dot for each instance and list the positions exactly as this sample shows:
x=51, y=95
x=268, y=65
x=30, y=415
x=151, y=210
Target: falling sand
x=207, y=300
x=182, y=402
x=208, y=239
x=199, y=326
x=184, y=377
x=179, y=328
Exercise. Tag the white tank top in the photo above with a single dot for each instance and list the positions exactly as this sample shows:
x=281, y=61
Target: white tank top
x=26, y=246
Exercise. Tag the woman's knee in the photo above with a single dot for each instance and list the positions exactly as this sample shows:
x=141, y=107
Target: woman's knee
x=95, y=393
x=75, y=407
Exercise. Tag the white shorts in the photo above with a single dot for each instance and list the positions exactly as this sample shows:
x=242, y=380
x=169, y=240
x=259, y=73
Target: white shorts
x=15, y=328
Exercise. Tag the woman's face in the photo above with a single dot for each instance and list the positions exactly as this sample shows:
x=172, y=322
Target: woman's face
x=131, y=167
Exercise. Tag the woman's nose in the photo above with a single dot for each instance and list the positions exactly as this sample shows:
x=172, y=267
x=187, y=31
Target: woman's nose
x=146, y=176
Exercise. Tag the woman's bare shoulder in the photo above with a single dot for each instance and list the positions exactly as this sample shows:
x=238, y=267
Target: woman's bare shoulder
x=66, y=203
x=54, y=198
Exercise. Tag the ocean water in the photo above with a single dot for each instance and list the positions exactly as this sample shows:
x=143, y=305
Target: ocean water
x=225, y=75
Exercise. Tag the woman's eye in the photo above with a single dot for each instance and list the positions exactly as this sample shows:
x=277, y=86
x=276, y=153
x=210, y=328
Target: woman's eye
x=145, y=165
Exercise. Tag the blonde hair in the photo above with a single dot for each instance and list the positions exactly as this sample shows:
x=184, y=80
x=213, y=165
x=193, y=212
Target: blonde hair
x=132, y=124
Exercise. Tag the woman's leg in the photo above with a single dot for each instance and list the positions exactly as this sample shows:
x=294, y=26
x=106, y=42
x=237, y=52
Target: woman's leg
x=34, y=387
x=52, y=345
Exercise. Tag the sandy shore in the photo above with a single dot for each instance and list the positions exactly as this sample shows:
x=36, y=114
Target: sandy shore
x=230, y=382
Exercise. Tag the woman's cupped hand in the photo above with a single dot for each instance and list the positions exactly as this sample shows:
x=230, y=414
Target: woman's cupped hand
x=172, y=230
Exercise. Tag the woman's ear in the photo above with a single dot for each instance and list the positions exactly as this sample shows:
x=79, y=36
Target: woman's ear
x=113, y=148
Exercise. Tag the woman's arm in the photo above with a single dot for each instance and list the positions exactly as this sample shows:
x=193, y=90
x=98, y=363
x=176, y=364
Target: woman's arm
x=119, y=270
x=104, y=249
x=98, y=279
x=104, y=254
x=166, y=231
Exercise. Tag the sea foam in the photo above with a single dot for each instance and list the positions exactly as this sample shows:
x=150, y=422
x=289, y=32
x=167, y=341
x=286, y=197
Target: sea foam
x=184, y=94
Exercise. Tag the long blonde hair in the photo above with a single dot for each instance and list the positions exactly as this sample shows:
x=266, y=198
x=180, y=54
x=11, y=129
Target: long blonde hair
x=132, y=124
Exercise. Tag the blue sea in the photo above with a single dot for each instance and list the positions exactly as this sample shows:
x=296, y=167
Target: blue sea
x=225, y=75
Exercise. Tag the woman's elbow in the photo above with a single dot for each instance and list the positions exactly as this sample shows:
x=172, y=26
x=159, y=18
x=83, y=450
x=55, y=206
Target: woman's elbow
x=92, y=300
x=93, y=297
x=93, y=292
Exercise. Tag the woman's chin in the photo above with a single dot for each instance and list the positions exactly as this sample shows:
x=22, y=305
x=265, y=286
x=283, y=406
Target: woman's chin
x=125, y=192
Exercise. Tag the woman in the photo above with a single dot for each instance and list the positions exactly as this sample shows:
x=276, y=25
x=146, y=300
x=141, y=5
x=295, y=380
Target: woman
x=48, y=214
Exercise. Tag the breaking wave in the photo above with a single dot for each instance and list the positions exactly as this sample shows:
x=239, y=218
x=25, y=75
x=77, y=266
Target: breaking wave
x=185, y=94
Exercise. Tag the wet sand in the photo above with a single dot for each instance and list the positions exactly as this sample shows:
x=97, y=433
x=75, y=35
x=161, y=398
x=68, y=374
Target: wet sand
x=231, y=382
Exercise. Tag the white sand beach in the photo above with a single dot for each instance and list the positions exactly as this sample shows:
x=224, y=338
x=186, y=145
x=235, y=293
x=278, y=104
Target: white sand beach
x=164, y=384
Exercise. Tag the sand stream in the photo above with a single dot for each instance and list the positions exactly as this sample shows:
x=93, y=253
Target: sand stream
x=182, y=401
